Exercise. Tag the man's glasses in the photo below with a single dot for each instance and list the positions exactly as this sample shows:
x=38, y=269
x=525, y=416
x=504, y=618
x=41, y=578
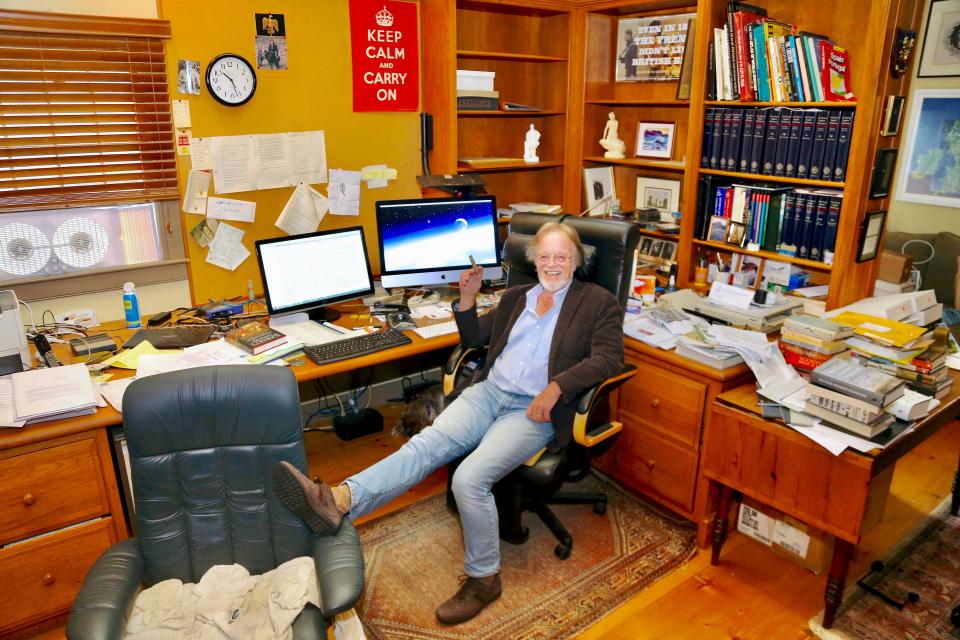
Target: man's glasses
x=544, y=258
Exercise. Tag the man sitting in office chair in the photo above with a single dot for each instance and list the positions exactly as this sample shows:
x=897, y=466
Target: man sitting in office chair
x=547, y=343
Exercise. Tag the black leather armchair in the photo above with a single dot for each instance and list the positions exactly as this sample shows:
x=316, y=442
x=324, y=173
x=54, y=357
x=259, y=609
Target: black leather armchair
x=609, y=247
x=202, y=443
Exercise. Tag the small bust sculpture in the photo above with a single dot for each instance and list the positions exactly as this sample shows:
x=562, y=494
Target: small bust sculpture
x=530, y=144
x=615, y=147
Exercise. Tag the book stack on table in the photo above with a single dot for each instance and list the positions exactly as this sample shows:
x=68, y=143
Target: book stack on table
x=807, y=341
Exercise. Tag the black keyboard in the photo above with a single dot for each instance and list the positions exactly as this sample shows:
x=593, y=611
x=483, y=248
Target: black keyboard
x=355, y=346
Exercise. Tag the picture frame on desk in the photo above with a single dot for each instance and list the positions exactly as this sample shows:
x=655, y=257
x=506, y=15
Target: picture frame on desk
x=883, y=166
x=924, y=178
x=871, y=230
x=938, y=55
x=657, y=193
x=892, y=116
x=655, y=139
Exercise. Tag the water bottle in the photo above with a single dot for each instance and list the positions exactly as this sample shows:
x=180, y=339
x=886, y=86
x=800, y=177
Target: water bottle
x=131, y=308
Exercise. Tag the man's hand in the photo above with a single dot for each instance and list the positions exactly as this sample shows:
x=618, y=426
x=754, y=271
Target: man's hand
x=540, y=407
x=470, y=281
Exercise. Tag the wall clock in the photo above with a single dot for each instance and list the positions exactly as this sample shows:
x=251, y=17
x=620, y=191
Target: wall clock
x=231, y=80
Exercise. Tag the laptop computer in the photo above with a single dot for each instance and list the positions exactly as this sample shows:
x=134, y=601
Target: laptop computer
x=171, y=337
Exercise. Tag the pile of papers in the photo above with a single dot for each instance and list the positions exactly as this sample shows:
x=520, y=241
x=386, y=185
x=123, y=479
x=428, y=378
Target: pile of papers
x=46, y=394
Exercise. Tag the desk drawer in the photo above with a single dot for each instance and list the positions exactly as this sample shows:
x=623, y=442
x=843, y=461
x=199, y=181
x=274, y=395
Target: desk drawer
x=42, y=577
x=666, y=402
x=45, y=489
x=658, y=467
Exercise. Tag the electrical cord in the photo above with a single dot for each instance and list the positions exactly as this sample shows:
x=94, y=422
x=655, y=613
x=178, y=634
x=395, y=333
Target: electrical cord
x=913, y=270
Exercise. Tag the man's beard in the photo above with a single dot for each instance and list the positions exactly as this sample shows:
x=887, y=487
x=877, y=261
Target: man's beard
x=553, y=287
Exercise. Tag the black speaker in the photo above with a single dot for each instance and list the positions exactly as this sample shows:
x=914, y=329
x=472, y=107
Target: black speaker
x=426, y=132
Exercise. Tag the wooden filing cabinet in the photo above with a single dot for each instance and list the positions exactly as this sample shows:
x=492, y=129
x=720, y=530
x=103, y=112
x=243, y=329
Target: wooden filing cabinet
x=664, y=409
x=59, y=509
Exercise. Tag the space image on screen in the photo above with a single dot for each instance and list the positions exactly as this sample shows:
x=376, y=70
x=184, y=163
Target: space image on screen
x=430, y=241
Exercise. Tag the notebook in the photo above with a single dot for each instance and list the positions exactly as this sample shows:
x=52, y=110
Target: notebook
x=171, y=337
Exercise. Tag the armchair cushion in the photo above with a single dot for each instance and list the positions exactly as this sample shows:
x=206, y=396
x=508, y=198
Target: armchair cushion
x=109, y=589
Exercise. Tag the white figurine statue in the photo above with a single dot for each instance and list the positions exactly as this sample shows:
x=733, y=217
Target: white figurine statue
x=615, y=147
x=530, y=144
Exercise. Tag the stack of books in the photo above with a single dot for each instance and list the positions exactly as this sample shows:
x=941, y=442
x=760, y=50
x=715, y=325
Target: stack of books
x=759, y=59
x=475, y=91
x=907, y=352
x=807, y=342
x=851, y=397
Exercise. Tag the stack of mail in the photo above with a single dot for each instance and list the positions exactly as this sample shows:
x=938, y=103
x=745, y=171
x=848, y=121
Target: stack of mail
x=46, y=394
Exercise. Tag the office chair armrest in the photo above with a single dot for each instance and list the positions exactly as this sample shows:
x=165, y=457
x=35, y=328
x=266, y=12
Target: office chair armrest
x=106, y=597
x=339, y=562
x=451, y=368
x=589, y=437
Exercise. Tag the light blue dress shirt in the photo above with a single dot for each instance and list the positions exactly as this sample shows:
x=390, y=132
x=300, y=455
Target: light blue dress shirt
x=522, y=366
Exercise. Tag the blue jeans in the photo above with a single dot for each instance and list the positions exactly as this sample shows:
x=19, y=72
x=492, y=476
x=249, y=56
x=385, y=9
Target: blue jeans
x=485, y=420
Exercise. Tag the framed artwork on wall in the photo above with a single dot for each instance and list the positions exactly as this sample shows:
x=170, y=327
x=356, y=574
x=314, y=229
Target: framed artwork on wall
x=883, y=166
x=870, y=232
x=655, y=139
x=940, y=54
x=892, y=116
x=929, y=168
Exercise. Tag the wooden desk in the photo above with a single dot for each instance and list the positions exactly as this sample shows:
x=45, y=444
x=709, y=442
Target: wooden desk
x=777, y=466
x=58, y=480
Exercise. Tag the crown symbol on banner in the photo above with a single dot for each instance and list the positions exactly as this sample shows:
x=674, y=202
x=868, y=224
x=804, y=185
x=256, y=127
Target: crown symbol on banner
x=384, y=18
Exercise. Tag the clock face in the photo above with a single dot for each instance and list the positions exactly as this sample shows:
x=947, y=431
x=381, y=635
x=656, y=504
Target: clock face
x=231, y=80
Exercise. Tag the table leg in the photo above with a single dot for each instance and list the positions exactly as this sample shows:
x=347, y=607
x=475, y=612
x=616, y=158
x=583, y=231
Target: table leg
x=720, y=523
x=955, y=497
x=839, y=565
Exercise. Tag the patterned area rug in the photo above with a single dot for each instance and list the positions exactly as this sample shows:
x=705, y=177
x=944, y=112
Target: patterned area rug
x=929, y=565
x=415, y=555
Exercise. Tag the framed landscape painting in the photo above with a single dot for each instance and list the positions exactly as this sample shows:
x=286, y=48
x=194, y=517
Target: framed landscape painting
x=930, y=169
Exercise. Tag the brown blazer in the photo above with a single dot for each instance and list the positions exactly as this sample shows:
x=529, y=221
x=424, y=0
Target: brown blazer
x=587, y=345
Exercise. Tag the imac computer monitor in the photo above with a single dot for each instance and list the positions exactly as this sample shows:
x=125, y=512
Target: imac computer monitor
x=310, y=271
x=430, y=241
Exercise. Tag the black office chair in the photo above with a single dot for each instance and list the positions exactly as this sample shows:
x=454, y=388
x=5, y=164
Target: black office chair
x=202, y=444
x=609, y=247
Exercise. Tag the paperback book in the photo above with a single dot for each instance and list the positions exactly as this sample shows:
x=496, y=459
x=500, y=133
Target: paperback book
x=256, y=337
x=846, y=376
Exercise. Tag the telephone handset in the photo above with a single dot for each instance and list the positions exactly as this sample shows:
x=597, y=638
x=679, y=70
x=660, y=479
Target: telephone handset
x=45, y=351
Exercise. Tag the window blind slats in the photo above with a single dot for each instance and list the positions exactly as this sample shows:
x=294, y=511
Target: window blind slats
x=84, y=120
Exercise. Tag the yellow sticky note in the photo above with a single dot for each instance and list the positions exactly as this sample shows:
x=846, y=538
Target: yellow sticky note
x=130, y=358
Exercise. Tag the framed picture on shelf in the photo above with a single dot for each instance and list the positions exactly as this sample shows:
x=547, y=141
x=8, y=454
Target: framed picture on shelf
x=686, y=67
x=639, y=54
x=929, y=158
x=600, y=189
x=668, y=251
x=655, y=139
x=870, y=232
x=718, y=229
x=656, y=193
x=656, y=248
x=645, y=246
x=883, y=167
x=736, y=233
x=892, y=116
x=940, y=54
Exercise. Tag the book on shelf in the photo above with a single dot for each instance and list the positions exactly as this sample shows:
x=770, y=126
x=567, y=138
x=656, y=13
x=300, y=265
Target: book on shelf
x=477, y=103
x=45, y=394
x=515, y=106
x=846, y=376
x=835, y=72
x=865, y=430
x=479, y=161
x=256, y=337
x=477, y=93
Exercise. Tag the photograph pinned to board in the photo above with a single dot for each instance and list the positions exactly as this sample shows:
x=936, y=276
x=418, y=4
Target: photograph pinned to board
x=651, y=49
x=892, y=116
x=655, y=139
x=599, y=186
x=940, y=54
x=657, y=193
x=271, y=41
x=204, y=231
x=930, y=163
x=188, y=77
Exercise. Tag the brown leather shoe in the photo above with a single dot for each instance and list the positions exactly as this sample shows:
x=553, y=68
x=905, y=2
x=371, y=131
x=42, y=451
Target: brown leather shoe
x=312, y=500
x=474, y=594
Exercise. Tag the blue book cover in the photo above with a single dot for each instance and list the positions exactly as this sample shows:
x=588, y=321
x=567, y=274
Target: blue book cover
x=707, y=138
x=770, y=145
x=717, y=132
x=759, y=135
x=736, y=137
x=793, y=63
x=843, y=145
x=804, y=234
x=830, y=151
x=806, y=142
x=819, y=228
x=793, y=146
x=819, y=146
x=783, y=141
x=830, y=232
x=762, y=64
x=746, y=136
x=789, y=217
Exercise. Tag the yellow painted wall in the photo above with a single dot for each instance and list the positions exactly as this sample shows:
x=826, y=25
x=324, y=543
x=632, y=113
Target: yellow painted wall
x=314, y=93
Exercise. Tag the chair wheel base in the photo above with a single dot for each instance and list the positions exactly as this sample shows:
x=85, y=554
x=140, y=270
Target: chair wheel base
x=600, y=508
x=562, y=551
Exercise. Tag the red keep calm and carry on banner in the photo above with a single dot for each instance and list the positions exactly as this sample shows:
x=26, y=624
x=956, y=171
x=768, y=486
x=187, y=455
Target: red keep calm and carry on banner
x=386, y=61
